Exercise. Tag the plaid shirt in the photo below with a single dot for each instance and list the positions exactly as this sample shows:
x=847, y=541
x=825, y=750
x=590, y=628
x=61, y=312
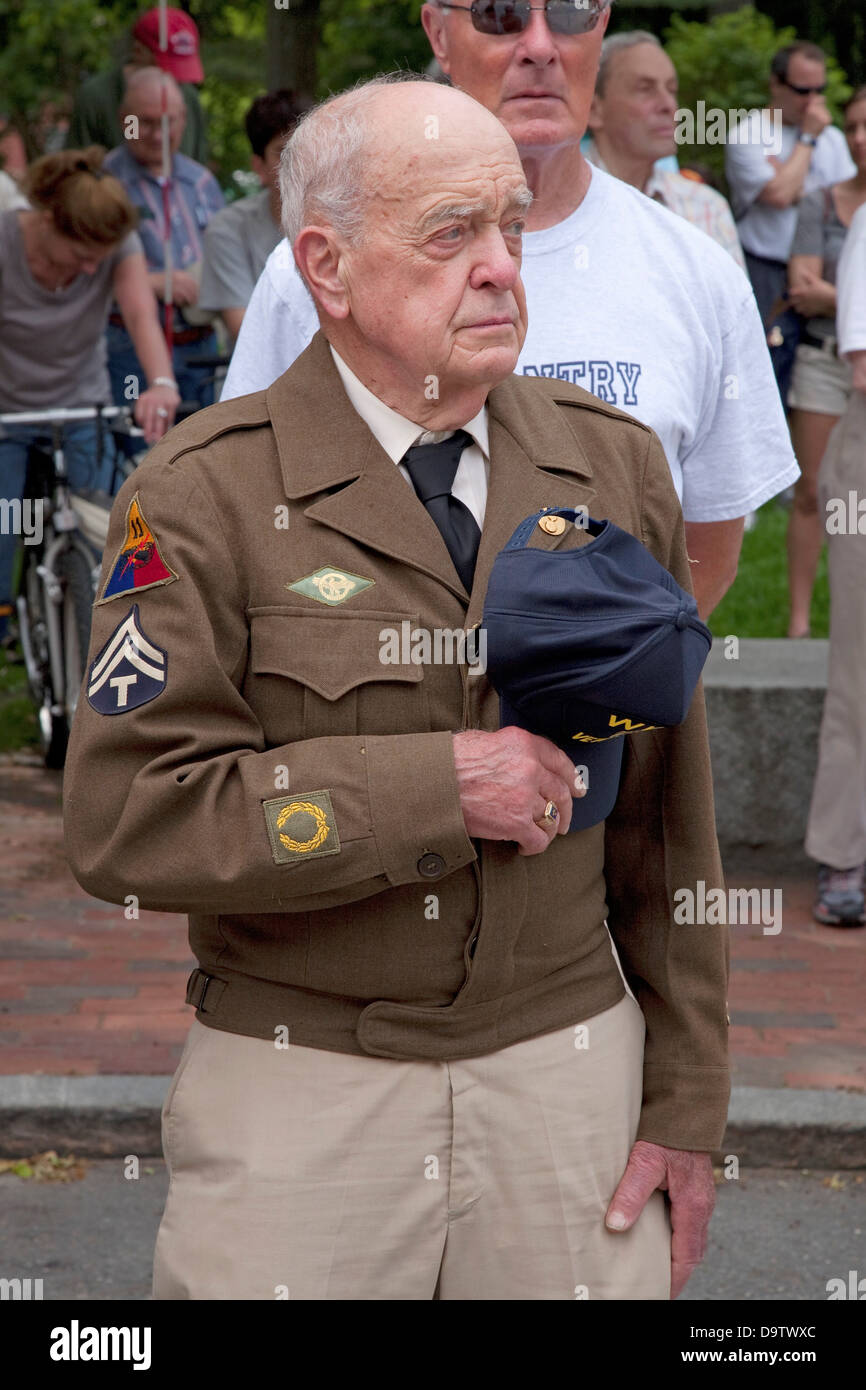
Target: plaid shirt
x=696, y=202
x=194, y=197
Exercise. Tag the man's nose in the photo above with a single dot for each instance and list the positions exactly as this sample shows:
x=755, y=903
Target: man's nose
x=536, y=43
x=495, y=264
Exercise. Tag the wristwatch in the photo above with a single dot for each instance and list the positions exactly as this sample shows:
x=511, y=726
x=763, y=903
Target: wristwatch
x=806, y=139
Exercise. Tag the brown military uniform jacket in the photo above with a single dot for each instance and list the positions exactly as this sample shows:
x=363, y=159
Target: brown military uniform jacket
x=251, y=761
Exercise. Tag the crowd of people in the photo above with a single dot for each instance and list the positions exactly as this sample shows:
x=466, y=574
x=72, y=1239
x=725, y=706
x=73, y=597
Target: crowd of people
x=638, y=308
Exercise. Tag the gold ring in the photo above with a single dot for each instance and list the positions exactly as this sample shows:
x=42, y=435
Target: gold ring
x=550, y=817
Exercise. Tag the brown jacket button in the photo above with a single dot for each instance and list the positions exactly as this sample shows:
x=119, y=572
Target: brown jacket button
x=431, y=865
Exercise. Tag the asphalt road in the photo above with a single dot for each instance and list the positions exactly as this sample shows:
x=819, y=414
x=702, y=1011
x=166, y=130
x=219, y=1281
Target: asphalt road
x=776, y=1234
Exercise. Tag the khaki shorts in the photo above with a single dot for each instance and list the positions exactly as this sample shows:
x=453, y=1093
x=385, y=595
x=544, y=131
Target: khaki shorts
x=821, y=382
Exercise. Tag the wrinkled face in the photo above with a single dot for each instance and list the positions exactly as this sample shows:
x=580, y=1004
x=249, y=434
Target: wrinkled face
x=146, y=107
x=539, y=84
x=637, y=111
x=803, y=72
x=855, y=133
x=434, y=285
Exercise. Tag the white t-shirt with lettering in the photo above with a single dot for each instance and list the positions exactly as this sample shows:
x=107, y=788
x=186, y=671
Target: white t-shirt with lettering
x=635, y=305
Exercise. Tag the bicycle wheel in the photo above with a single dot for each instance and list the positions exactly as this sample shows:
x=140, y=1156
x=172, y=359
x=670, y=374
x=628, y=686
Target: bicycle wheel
x=35, y=642
x=75, y=574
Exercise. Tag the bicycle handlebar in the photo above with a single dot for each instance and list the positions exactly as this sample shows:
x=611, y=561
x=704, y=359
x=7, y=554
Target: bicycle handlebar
x=66, y=416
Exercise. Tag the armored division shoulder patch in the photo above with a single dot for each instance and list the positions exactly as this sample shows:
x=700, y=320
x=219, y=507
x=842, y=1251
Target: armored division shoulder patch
x=331, y=586
x=128, y=672
x=138, y=564
x=301, y=827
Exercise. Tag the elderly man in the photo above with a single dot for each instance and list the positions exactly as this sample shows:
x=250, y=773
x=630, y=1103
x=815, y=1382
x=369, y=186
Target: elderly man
x=415, y=1069
x=193, y=198
x=767, y=183
x=632, y=120
x=622, y=301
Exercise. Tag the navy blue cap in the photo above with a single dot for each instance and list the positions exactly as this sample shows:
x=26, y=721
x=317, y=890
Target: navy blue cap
x=589, y=644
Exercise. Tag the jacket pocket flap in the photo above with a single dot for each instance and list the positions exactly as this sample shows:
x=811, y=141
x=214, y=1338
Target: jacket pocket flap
x=330, y=652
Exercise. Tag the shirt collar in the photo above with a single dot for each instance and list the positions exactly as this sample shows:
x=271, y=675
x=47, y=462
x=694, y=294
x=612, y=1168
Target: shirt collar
x=394, y=432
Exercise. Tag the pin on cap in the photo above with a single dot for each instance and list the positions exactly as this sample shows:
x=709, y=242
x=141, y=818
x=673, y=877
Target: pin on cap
x=590, y=645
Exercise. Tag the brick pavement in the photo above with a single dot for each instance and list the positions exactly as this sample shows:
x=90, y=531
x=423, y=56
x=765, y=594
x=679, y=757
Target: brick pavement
x=84, y=990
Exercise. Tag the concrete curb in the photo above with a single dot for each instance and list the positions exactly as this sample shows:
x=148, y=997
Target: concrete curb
x=110, y=1116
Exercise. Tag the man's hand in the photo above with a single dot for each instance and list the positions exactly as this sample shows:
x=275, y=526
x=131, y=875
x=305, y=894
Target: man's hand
x=687, y=1178
x=155, y=411
x=184, y=287
x=816, y=117
x=506, y=780
x=813, y=296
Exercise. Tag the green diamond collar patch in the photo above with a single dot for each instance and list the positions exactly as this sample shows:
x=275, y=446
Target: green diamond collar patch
x=330, y=586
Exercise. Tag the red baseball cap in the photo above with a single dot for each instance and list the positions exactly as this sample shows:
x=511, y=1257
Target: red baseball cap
x=181, y=56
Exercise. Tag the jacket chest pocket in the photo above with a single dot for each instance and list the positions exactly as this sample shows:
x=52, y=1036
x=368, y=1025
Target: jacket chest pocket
x=329, y=675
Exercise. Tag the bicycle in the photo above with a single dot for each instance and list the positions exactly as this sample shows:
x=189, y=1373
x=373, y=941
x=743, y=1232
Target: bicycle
x=60, y=570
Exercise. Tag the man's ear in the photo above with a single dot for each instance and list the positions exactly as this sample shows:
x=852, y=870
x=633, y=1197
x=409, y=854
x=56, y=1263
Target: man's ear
x=318, y=257
x=433, y=21
x=595, y=120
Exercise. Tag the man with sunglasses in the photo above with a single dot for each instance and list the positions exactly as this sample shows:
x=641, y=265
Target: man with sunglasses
x=767, y=183
x=625, y=299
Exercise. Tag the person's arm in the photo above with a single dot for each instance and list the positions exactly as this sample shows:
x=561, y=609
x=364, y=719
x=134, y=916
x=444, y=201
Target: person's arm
x=176, y=800
x=155, y=406
x=858, y=369
x=661, y=838
x=714, y=549
x=233, y=319
x=227, y=282
x=786, y=185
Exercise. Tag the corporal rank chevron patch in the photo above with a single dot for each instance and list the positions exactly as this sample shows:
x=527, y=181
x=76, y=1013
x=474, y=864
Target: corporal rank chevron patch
x=128, y=672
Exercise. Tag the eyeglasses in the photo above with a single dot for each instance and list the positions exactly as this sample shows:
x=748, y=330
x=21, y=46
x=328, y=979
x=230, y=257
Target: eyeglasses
x=804, y=91
x=512, y=16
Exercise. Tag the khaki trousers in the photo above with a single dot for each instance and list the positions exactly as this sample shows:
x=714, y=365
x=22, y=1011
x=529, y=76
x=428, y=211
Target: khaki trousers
x=306, y=1174
x=836, y=832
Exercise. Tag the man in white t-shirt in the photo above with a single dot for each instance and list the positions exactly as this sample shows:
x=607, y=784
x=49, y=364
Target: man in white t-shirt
x=770, y=164
x=624, y=298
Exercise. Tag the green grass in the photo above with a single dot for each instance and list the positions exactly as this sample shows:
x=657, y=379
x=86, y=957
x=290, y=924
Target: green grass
x=18, y=726
x=756, y=605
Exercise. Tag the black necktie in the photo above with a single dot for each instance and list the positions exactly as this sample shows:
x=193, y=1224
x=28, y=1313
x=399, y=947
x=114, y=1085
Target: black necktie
x=432, y=468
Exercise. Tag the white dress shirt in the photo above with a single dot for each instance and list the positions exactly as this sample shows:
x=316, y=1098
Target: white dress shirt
x=396, y=434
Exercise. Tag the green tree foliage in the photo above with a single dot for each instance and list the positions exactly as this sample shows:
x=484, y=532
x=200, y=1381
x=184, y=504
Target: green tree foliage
x=45, y=52
x=726, y=63
x=48, y=47
x=363, y=37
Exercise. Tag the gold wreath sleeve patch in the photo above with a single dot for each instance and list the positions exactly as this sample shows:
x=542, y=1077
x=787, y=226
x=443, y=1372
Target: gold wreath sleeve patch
x=301, y=827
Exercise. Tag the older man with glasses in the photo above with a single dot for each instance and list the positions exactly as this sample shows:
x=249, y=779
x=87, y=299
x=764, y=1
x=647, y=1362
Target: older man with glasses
x=767, y=183
x=624, y=299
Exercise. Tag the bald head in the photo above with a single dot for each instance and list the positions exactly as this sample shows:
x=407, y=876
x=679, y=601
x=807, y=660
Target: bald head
x=359, y=147
x=404, y=202
x=141, y=112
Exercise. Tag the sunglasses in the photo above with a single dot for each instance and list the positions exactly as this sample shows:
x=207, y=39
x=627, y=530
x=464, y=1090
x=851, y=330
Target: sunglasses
x=512, y=16
x=804, y=91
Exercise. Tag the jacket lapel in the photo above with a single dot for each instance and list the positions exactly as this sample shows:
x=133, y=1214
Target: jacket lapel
x=535, y=462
